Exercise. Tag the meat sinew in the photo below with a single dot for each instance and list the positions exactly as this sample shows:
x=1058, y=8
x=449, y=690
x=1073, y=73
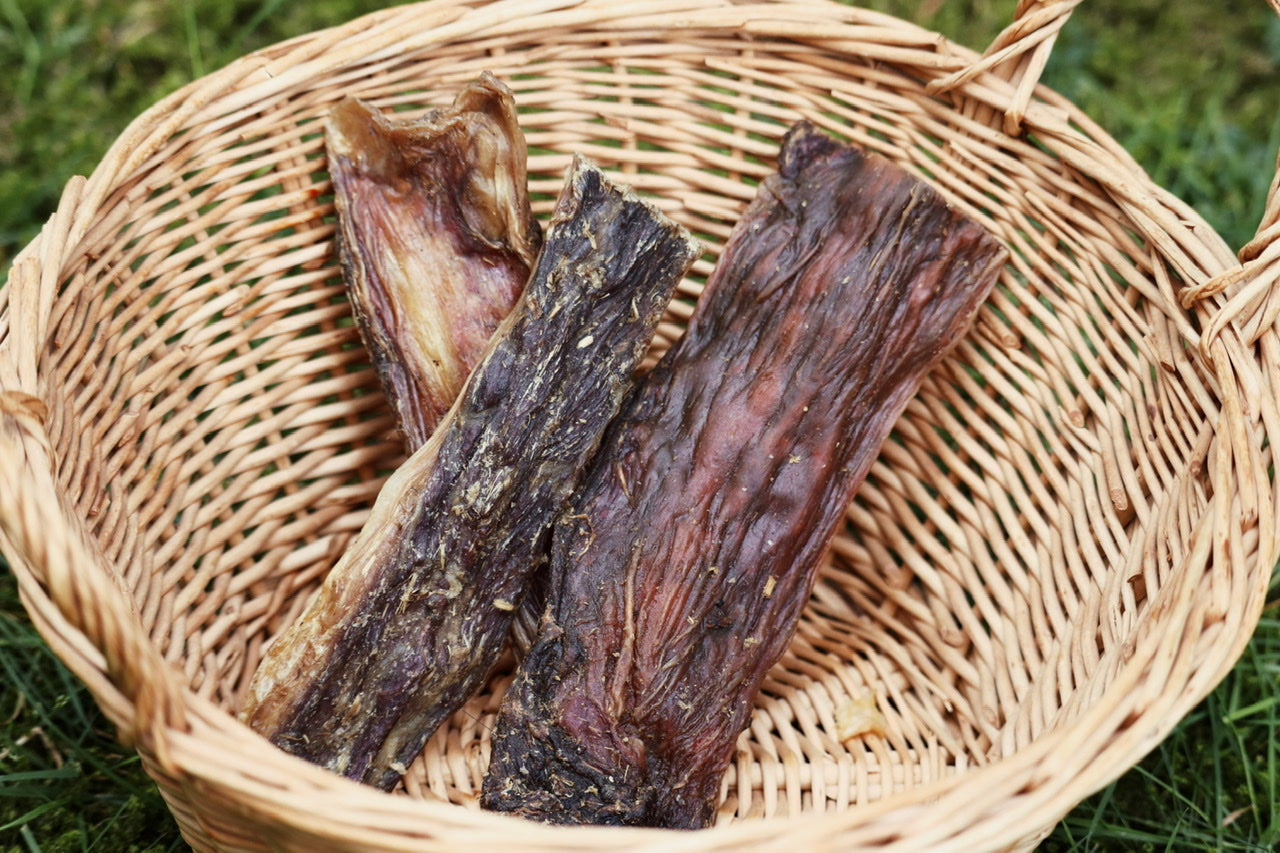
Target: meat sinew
x=435, y=239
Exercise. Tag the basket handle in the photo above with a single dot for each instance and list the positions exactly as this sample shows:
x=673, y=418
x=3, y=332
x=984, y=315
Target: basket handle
x=1018, y=55
x=78, y=607
x=1254, y=306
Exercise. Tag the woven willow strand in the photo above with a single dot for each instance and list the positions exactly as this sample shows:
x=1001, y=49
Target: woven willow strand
x=1065, y=545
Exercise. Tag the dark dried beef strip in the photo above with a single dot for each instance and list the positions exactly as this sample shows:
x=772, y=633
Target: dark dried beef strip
x=409, y=622
x=679, y=576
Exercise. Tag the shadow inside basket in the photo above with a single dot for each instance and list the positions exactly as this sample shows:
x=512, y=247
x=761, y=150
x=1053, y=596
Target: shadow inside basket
x=224, y=432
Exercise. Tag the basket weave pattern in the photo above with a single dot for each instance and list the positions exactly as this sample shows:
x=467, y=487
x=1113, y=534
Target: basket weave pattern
x=1063, y=547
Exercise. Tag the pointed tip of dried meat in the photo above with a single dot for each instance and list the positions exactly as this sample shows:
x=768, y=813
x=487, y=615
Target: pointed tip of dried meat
x=497, y=185
x=357, y=136
x=489, y=96
x=485, y=170
x=804, y=143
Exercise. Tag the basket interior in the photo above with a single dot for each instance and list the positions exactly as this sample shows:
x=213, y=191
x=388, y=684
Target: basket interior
x=217, y=421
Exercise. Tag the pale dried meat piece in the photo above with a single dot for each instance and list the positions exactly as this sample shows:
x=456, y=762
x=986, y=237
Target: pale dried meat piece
x=435, y=239
x=679, y=576
x=410, y=621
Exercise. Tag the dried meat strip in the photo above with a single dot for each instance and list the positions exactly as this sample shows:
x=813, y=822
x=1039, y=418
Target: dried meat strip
x=678, y=579
x=410, y=621
x=435, y=239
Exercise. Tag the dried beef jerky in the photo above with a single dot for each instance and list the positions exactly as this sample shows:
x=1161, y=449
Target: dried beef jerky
x=411, y=619
x=678, y=577
x=435, y=239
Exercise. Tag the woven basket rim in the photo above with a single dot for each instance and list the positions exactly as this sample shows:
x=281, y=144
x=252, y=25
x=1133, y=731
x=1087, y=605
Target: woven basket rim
x=1198, y=253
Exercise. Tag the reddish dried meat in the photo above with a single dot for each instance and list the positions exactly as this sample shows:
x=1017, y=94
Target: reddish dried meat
x=410, y=621
x=435, y=238
x=678, y=578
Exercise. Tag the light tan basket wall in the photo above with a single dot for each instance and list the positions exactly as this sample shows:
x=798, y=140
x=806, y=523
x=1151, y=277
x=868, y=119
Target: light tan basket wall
x=1063, y=547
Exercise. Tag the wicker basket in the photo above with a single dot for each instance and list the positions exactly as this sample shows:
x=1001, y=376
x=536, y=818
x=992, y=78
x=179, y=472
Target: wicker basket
x=1065, y=545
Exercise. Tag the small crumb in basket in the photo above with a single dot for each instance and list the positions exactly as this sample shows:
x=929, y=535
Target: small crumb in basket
x=503, y=604
x=860, y=716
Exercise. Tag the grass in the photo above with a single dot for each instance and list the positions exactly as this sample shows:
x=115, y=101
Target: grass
x=65, y=784
x=1190, y=89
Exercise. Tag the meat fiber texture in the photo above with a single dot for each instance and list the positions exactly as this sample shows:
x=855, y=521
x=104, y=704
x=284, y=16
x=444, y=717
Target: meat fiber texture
x=679, y=576
x=408, y=624
x=435, y=239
